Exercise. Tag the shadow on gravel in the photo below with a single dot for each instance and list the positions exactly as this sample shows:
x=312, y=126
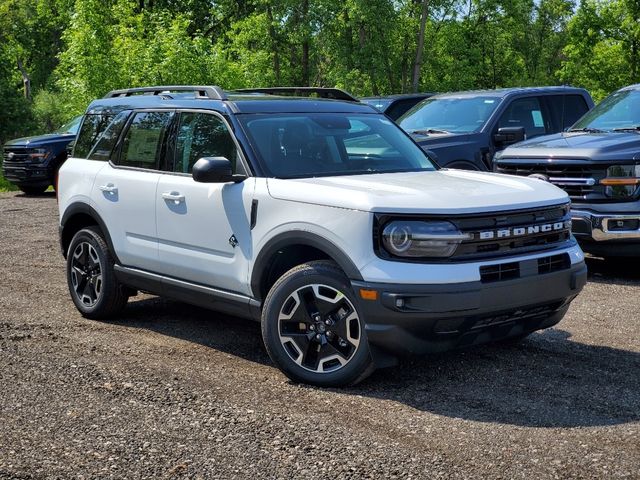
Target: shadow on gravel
x=614, y=270
x=545, y=381
x=548, y=380
x=47, y=194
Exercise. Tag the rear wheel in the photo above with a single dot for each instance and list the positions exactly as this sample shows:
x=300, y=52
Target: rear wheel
x=312, y=328
x=94, y=289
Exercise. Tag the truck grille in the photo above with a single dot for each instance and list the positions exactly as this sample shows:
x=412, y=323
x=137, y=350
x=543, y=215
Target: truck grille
x=14, y=155
x=513, y=232
x=577, y=178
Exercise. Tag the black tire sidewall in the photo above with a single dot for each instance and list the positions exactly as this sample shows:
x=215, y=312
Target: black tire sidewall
x=104, y=306
x=311, y=273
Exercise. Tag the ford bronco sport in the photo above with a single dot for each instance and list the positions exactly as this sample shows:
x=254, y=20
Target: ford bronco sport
x=318, y=217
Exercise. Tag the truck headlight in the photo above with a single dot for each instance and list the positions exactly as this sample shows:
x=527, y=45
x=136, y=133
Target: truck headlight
x=407, y=238
x=39, y=153
x=622, y=181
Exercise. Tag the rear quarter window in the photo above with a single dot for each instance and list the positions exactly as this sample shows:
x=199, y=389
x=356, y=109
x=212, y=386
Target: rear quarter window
x=92, y=128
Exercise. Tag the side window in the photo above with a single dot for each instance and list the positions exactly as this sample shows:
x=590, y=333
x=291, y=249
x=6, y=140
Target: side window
x=144, y=142
x=91, y=129
x=574, y=108
x=102, y=149
x=525, y=112
x=202, y=135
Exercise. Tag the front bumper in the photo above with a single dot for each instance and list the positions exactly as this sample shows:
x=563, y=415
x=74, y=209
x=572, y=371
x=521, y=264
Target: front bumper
x=417, y=319
x=607, y=233
x=28, y=175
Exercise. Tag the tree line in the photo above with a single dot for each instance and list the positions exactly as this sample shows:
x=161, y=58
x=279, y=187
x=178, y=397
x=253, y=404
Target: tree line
x=58, y=55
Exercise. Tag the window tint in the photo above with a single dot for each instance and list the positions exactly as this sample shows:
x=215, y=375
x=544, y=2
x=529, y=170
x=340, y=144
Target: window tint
x=574, y=108
x=202, y=135
x=143, y=144
x=619, y=110
x=107, y=141
x=525, y=112
x=91, y=129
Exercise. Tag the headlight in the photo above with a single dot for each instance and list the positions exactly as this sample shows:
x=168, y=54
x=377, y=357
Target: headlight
x=622, y=181
x=39, y=153
x=406, y=238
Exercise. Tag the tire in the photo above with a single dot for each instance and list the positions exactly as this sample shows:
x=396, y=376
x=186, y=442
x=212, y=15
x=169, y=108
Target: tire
x=94, y=289
x=312, y=328
x=33, y=190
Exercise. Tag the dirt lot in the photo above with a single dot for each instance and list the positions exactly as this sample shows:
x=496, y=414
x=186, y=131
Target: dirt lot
x=174, y=391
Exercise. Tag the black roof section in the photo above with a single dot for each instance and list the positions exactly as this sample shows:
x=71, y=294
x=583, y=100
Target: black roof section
x=258, y=100
x=505, y=92
x=399, y=96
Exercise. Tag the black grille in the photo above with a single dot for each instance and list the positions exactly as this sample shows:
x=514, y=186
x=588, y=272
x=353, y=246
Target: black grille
x=531, y=313
x=559, y=170
x=500, y=272
x=553, y=263
x=513, y=232
x=15, y=154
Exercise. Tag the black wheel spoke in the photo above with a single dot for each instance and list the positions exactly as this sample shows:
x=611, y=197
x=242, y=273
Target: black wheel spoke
x=85, y=273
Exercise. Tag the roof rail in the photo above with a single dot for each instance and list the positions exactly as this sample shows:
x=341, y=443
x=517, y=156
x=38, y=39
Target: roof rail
x=210, y=92
x=322, y=92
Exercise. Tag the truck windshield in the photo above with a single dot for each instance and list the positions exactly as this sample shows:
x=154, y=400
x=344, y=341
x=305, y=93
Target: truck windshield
x=619, y=111
x=299, y=145
x=71, y=127
x=449, y=115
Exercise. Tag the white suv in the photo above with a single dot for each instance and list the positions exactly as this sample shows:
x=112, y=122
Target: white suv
x=318, y=217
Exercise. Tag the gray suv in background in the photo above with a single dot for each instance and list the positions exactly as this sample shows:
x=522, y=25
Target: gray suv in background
x=465, y=129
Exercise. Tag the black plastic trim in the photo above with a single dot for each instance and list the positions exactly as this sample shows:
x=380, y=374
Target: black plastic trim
x=83, y=208
x=204, y=296
x=299, y=237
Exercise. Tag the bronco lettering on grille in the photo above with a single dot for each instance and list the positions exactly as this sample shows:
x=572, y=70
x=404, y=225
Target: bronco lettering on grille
x=521, y=231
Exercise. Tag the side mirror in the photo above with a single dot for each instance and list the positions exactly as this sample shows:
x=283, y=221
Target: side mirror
x=214, y=170
x=69, y=147
x=509, y=135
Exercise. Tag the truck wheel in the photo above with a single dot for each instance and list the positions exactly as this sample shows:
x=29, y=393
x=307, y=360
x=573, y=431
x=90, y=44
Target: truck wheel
x=93, y=286
x=33, y=190
x=312, y=328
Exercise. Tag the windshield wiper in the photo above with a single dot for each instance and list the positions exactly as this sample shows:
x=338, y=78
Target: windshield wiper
x=633, y=128
x=427, y=131
x=587, y=130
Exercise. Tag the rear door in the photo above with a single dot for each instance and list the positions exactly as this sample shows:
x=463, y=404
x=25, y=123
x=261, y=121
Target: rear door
x=125, y=190
x=204, y=233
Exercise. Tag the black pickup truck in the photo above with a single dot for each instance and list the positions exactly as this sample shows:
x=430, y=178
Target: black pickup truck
x=597, y=162
x=32, y=163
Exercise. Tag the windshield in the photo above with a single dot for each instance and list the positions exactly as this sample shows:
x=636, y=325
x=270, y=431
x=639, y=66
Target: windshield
x=71, y=127
x=449, y=115
x=302, y=145
x=620, y=110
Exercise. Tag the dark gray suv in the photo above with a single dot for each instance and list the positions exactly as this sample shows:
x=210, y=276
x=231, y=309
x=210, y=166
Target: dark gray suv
x=465, y=129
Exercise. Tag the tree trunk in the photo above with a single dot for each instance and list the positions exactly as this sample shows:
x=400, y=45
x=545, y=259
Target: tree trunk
x=26, y=80
x=305, y=43
x=274, y=45
x=415, y=79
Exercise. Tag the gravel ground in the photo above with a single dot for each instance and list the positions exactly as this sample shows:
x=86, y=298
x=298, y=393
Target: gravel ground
x=173, y=391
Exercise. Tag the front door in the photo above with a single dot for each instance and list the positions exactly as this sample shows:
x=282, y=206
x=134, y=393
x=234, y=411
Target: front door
x=204, y=228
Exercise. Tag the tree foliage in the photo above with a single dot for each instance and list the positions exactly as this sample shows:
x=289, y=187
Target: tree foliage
x=71, y=51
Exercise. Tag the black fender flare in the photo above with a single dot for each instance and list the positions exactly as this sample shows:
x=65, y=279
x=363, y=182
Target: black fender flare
x=85, y=209
x=300, y=237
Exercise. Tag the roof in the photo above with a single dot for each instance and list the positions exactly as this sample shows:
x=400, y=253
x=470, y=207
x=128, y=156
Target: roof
x=227, y=102
x=506, y=92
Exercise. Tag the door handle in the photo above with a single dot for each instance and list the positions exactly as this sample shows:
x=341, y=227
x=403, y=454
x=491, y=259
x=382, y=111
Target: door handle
x=175, y=197
x=109, y=188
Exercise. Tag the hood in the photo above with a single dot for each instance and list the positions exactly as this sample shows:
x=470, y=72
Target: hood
x=40, y=140
x=442, y=191
x=605, y=146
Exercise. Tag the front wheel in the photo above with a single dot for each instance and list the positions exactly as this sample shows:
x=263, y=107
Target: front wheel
x=312, y=328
